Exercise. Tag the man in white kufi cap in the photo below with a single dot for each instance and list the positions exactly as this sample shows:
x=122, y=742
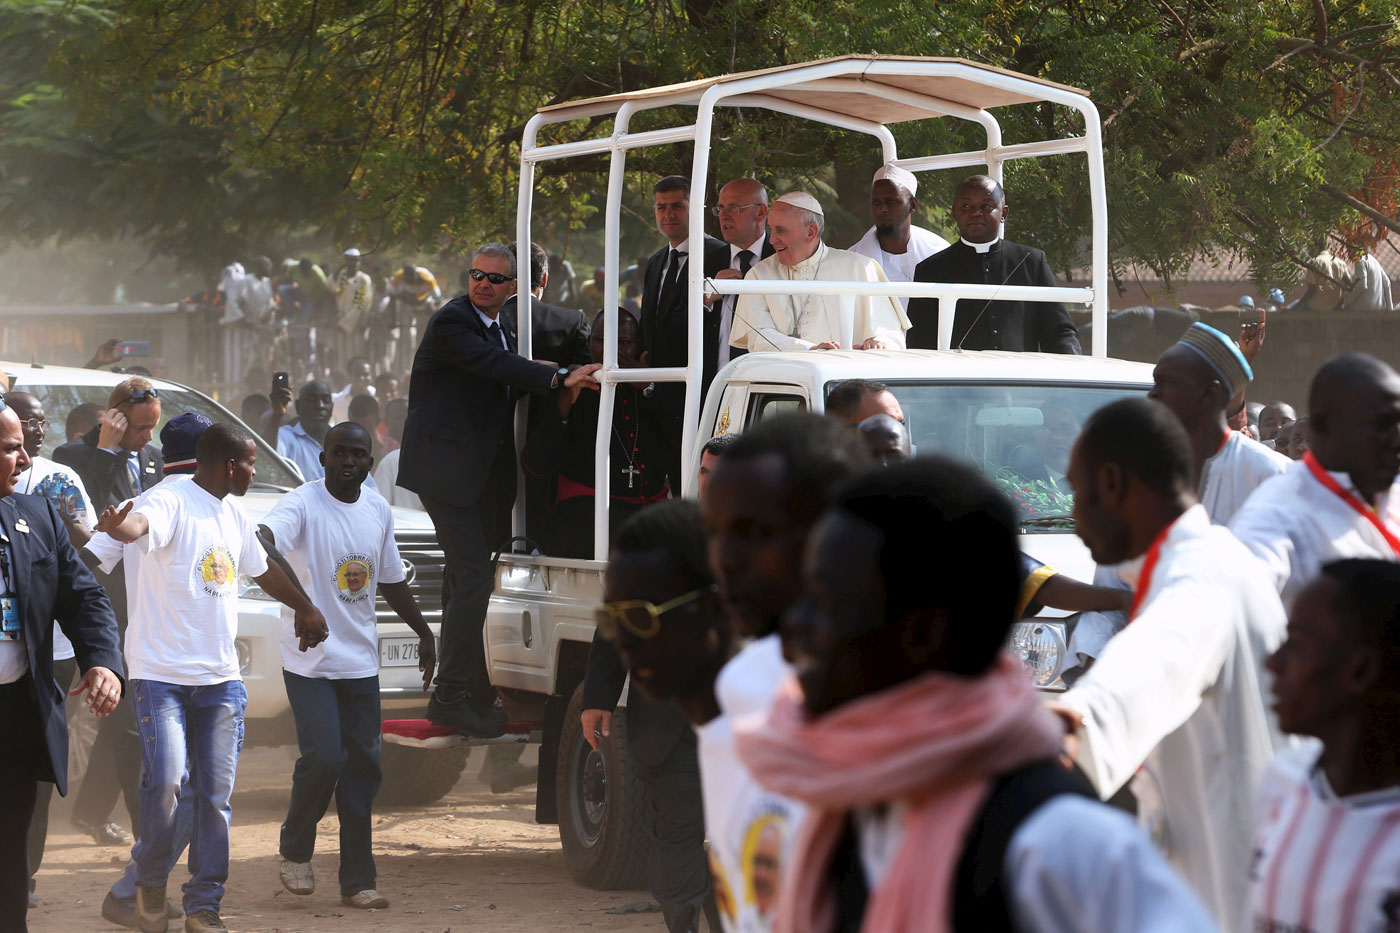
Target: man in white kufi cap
x=894, y=241
x=354, y=293
x=813, y=322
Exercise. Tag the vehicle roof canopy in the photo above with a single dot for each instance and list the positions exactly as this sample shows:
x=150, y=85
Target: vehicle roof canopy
x=970, y=84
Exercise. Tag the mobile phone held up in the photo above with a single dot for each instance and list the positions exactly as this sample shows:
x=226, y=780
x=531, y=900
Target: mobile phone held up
x=134, y=348
x=281, y=381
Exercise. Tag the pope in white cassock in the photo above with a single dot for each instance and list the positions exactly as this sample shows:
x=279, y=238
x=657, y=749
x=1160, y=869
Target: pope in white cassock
x=894, y=241
x=1341, y=499
x=1180, y=692
x=812, y=322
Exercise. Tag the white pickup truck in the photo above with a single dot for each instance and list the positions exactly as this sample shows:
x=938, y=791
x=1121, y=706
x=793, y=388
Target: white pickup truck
x=1013, y=414
x=411, y=774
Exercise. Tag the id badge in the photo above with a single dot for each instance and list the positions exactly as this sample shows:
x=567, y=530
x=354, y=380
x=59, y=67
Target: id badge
x=9, y=618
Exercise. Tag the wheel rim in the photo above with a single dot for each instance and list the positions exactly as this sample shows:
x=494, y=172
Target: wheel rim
x=588, y=793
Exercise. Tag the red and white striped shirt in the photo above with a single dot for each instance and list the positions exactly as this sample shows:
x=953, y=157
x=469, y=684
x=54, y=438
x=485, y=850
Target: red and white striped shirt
x=1323, y=863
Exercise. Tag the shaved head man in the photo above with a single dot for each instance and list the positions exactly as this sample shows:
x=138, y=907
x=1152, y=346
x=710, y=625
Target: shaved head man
x=1340, y=501
x=885, y=438
x=742, y=209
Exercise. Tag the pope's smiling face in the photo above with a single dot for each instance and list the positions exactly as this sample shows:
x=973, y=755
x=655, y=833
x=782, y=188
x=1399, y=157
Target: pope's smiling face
x=793, y=239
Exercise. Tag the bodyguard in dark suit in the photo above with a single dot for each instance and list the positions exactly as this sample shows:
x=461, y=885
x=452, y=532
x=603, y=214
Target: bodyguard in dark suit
x=664, y=326
x=981, y=257
x=116, y=461
x=742, y=209
x=459, y=456
x=41, y=581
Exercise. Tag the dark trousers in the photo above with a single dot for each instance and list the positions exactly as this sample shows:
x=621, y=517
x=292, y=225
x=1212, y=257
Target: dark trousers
x=469, y=536
x=21, y=766
x=679, y=872
x=114, y=763
x=114, y=769
x=64, y=672
x=338, y=734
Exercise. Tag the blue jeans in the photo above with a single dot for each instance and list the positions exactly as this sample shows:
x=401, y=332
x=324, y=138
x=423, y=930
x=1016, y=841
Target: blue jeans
x=202, y=727
x=125, y=888
x=338, y=733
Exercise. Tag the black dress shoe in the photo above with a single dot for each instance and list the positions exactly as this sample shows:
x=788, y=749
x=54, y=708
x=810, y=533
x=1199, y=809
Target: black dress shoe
x=467, y=718
x=104, y=834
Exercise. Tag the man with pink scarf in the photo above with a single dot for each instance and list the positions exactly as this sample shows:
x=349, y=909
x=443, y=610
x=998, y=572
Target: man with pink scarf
x=936, y=799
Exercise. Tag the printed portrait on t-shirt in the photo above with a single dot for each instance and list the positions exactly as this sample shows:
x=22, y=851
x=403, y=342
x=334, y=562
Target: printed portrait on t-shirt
x=762, y=860
x=216, y=571
x=352, y=575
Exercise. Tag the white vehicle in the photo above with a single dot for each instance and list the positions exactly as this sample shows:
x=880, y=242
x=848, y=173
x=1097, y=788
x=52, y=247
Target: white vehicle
x=411, y=775
x=986, y=407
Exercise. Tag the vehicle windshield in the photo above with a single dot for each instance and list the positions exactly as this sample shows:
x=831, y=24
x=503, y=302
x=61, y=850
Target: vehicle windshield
x=59, y=400
x=1020, y=435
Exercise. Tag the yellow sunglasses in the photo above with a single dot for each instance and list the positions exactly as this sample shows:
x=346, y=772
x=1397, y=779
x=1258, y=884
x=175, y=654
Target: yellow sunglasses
x=641, y=617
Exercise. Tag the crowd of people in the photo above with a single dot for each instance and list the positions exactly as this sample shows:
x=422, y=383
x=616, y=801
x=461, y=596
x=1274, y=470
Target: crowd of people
x=827, y=728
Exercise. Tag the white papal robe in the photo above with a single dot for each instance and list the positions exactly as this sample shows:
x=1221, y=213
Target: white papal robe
x=1182, y=692
x=1295, y=525
x=899, y=267
x=1241, y=466
x=800, y=322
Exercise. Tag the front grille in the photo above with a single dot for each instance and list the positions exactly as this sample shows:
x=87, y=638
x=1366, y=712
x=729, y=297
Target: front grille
x=422, y=551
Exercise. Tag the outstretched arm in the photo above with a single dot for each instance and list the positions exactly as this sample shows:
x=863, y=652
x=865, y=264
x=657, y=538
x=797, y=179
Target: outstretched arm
x=400, y=599
x=309, y=625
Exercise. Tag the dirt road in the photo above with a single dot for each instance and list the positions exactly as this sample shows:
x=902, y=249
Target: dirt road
x=473, y=861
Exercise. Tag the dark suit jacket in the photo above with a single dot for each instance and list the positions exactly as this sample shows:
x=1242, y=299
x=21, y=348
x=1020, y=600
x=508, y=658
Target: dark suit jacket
x=461, y=403
x=714, y=318
x=560, y=334
x=1004, y=325
x=664, y=329
x=653, y=728
x=104, y=474
x=54, y=585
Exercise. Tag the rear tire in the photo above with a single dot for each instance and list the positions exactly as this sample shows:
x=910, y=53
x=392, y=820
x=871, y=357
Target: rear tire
x=604, y=814
x=418, y=776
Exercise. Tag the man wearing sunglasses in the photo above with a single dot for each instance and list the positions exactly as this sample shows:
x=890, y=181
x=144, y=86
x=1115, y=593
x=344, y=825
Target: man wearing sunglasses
x=115, y=460
x=658, y=616
x=459, y=457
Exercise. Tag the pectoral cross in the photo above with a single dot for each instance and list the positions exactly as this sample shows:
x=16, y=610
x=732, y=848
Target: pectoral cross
x=632, y=473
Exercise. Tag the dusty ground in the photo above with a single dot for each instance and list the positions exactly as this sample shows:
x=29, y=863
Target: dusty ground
x=473, y=861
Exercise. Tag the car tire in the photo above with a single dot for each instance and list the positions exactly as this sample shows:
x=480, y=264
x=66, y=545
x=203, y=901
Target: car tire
x=604, y=814
x=418, y=776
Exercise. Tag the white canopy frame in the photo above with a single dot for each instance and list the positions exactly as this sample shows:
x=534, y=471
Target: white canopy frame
x=834, y=92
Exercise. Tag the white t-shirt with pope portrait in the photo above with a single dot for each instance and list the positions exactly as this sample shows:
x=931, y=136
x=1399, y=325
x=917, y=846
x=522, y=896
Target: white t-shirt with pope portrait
x=341, y=551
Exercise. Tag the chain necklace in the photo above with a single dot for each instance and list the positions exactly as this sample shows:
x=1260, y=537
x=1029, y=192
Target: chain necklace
x=632, y=472
x=796, y=321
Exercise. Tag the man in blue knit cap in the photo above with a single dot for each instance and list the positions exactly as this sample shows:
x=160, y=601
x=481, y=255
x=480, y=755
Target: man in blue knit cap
x=1196, y=378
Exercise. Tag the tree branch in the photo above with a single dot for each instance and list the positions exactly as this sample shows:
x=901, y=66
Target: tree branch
x=1361, y=206
x=1322, y=51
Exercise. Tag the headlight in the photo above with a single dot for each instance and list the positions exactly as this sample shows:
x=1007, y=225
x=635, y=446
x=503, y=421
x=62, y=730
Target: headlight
x=245, y=655
x=247, y=589
x=1040, y=647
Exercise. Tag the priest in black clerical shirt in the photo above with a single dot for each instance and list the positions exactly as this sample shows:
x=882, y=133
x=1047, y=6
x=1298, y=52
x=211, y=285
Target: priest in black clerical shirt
x=981, y=256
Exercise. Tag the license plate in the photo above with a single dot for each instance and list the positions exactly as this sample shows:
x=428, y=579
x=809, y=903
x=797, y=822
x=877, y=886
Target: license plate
x=399, y=651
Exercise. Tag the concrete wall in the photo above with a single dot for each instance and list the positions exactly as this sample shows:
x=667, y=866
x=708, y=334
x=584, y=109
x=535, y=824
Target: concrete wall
x=1297, y=343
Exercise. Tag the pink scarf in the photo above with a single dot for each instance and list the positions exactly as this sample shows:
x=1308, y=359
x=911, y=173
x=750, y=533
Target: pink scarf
x=936, y=742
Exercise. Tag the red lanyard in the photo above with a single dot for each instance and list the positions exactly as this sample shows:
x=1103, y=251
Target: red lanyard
x=1224, y=440
x=1149, y=564
x=1322, y=476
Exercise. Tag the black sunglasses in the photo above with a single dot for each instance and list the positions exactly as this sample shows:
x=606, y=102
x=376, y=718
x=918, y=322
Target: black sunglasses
x=141, y=395
x=495, y=278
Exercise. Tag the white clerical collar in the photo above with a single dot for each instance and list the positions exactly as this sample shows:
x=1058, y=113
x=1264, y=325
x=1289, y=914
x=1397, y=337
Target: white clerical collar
x=980, y=247
x=811, y=264
x=756, y=247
